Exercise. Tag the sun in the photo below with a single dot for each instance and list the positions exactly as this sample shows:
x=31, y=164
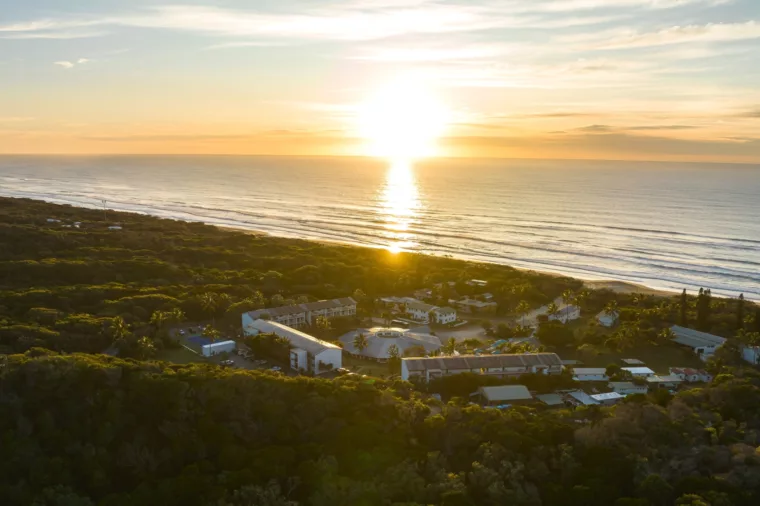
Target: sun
x=402, y=122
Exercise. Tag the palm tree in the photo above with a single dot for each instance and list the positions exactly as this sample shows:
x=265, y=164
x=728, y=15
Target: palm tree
x=567, y=298
x=360, y=342
x=119, y=330
x=209, y=303
x=522, y=309
x=158, y=318
x=211, y=333
x=611, y=308
x=552, y=309
x=450, y=347
x=393, y=352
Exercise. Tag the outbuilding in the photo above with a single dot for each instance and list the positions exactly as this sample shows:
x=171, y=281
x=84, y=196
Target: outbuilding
x=590, y=374
x=209, y=350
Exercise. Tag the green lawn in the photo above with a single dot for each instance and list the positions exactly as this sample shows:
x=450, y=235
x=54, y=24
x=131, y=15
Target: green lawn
x=178, y=356
x=657, y=358
x=363, y=366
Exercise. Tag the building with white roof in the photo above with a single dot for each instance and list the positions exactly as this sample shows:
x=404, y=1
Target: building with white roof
x=670, y=381
x=627, y=387
x=307, y=353
x=608, y=398
x=300, y=315
x=505, y=394
x=209, y=350
x=426, y=369
x=379, y=339
x=444, y=315
x=641, y=372
x=590, y=374
x=702, y=343
x=607, y=319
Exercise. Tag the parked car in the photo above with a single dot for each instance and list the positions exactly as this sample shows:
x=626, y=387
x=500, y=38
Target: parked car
x=276, y=368
x=182, y=332
x=227, y=363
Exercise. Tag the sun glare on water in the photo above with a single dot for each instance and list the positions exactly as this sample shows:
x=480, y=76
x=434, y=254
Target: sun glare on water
x=402, y=122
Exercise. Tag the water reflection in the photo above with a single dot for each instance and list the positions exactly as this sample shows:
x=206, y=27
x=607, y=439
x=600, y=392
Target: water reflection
x=400, y=205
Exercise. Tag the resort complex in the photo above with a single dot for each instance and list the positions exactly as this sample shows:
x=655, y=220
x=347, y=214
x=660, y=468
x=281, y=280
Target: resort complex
x=301, y=315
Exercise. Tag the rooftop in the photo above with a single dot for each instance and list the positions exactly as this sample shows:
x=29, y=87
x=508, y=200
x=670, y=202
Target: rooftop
x=445, y=310
x=632, y=361
x=551, y=399
x=297, y=338
x=467, y=362
x=505, y=393
x=583, y=398
x=379, y=339
x=420, y=306
x=607, y=396
x=589, y=371
x=664, y=379
x=695, y=338
x=639, y=371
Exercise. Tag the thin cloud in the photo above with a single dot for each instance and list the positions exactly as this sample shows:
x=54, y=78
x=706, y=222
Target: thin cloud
x=64, y=64
x=662, y=127
x=711, y=32
x=750, y=114
x=596, y=129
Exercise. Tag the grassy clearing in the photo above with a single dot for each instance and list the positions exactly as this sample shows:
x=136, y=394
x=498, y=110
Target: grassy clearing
x=657, y=358
x=178, y=356
x=363, y=366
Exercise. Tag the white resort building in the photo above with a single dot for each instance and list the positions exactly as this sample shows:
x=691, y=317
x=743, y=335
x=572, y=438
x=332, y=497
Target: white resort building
x=379, y=339
x=305, y=314
x=426, y=369
x=307, y=353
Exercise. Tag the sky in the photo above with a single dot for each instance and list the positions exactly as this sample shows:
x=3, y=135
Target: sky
x=600, y=79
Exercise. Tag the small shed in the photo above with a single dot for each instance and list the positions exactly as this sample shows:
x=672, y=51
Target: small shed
x=670, y=381
x=212, y=349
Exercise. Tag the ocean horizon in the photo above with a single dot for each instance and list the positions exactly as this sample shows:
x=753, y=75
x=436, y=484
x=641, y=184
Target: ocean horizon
x=664, y=225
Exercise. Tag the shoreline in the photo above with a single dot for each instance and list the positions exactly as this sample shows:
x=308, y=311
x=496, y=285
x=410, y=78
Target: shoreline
x=618, y=286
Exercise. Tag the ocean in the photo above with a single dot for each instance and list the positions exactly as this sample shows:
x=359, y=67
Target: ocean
x=664, y=225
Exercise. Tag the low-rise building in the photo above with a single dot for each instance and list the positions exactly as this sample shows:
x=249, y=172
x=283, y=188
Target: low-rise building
x=380, y=339
x=703, y=344
x=444, y=315
x=505, y=394
x=608, y=398
x=551, y=400
x=426, y=369
x=690, y=375
x=627, y=387
x=632, y=361
x=580, y=398
x=477, y=282
x=474, y=306
x=590, y=374
x=300, y=315
x=670, y=381
x=751, y=354
x=639, y=372
x=209, y=350
x=566, y=314
x=607, y=319
x=307, y=353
